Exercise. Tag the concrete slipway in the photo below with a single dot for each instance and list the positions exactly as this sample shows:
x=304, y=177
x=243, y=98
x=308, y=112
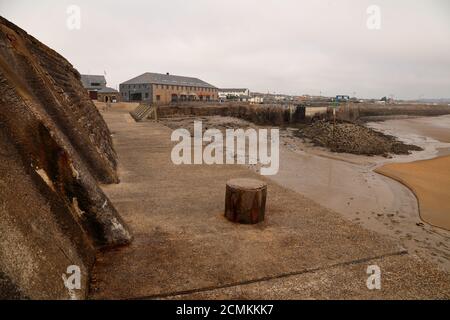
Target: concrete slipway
x=185, y=248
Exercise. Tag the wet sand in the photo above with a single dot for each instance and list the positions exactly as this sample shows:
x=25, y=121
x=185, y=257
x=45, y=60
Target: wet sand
x=432, y=134
x=350, y=185
x=437, y=128
x=430, y=181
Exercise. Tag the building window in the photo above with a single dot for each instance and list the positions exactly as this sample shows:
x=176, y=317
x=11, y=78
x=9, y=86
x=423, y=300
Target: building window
x=158, y=98
x=146, y=95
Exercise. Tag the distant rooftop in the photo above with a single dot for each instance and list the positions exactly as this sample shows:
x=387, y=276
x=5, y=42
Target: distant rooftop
x=107, y=90
x=93, y=81
x=159, y=78
x=233, y=90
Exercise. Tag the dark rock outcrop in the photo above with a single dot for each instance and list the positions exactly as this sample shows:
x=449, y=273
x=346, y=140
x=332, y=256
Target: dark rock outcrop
x=347, y=137
x=54, y=150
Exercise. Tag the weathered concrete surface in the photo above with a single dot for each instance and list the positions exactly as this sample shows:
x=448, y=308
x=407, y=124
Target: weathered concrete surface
x=39, y=236
x=402, y=278
x=54, y=149
x=183, y=243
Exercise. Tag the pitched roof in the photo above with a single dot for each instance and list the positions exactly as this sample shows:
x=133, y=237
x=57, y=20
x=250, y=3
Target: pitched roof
x=87, y=79
x=108, y=90
x=159, y=78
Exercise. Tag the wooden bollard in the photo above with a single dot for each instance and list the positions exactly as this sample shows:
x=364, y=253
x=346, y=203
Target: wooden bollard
x=245, y=201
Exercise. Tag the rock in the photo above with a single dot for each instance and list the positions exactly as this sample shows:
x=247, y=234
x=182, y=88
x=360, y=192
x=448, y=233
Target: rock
x=353, y=138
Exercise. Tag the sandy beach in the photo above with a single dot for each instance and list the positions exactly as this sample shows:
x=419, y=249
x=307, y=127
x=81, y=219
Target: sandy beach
x=430, y=181
x=437, y=128
x=430, y=133
x=352, y=186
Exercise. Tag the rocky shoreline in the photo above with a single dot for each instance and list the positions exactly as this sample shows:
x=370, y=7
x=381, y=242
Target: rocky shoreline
x=347, y=137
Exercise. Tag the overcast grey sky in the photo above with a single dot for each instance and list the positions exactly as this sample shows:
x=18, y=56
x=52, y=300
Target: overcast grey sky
x=284, y=46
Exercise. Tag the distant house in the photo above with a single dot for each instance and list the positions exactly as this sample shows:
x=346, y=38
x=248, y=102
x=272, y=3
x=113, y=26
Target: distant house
x=96, y=86
x=108, y=94
x=93, y=84
x=157, y=88
x=234, y=94
x=257, y=100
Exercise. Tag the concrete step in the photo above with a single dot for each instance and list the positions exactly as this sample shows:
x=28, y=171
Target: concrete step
x=142, y=112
